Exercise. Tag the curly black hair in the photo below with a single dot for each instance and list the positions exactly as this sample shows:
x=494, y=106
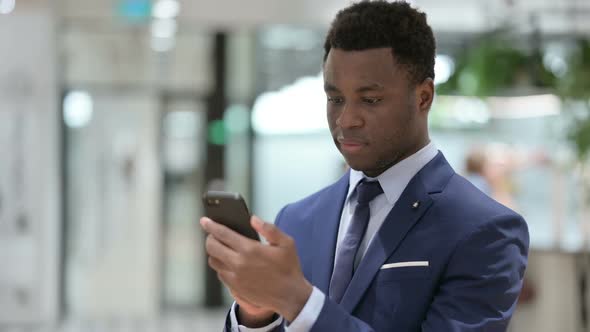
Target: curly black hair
x=375, y=24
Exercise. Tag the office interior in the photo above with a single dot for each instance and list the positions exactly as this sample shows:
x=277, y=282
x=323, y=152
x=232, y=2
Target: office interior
x=116, y=116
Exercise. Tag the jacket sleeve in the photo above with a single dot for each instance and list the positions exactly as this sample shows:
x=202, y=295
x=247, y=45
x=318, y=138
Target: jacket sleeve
x=480, y=287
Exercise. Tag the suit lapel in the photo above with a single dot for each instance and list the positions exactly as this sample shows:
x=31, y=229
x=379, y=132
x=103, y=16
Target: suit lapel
x=325, y=233
x=400, y=220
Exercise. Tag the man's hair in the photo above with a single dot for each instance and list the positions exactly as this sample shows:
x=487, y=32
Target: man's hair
x=376, y=24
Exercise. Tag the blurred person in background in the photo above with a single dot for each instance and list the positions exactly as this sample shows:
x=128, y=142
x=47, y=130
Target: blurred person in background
x=475, y=168
x=501, y=163
x=491, y=168
x=400, y=242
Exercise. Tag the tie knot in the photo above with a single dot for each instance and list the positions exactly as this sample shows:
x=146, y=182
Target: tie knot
x=367, y=190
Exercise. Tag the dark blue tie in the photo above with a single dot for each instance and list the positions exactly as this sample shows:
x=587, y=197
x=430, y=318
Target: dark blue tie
x=347, y=250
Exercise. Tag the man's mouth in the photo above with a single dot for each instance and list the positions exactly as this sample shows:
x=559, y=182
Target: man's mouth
x=351, y=145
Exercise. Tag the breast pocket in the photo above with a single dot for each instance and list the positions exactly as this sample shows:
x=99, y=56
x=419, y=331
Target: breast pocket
x=403, y=273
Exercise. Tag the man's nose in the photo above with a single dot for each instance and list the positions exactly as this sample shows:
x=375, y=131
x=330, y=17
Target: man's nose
x=350, y=117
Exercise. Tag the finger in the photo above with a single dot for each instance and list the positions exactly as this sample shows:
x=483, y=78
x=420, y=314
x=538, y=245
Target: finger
x=271, y=233
x=225, y=235
x=203, y=221
x=226, y=278
x=217, y=264
x=220, y=251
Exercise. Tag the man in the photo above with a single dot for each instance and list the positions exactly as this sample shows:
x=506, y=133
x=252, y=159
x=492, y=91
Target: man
x=401, y=242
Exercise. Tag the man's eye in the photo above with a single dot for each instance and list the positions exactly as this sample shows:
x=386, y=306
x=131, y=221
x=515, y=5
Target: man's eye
x=335, y=100
x=371, y=100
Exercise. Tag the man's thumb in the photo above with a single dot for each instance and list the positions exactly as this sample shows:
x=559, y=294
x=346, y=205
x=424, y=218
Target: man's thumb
x=269, y=231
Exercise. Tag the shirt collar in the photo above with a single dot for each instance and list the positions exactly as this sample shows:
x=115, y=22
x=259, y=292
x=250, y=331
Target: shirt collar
x=395, y=179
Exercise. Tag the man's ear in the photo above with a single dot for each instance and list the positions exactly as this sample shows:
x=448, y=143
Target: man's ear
x=425, y=94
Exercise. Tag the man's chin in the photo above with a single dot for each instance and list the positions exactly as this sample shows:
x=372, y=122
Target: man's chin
x=362, y=166
x=357, y=166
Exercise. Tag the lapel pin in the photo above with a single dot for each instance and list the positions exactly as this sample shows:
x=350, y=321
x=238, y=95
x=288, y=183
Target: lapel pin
x=416, y=205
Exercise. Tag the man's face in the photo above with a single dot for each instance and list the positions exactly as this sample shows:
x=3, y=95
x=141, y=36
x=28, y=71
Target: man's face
x=377, y=118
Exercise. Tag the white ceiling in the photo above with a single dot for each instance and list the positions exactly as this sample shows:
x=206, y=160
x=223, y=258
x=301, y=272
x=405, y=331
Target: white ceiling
x=559, y=17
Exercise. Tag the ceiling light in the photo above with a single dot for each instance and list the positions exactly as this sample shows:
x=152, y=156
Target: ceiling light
x=6, y=6
x=164, y=28
x=77, y=109
x=165, y=9
x=444, y=66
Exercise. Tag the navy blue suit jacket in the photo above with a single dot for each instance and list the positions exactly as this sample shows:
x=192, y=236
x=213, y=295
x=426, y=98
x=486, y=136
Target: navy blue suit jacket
x=476, y=248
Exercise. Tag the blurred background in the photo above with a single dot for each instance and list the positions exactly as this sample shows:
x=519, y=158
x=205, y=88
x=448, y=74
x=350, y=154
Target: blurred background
x=116, y=115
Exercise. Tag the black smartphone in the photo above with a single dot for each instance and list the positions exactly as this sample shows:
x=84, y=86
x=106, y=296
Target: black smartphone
x=229, y=209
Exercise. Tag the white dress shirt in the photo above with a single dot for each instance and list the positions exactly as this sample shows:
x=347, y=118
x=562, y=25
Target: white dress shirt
x=393, y=181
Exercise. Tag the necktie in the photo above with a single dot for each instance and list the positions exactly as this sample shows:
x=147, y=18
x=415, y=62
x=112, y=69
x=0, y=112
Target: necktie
x=344, y=265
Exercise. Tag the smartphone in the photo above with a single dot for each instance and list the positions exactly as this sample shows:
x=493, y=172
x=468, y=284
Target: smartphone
x=229, y=209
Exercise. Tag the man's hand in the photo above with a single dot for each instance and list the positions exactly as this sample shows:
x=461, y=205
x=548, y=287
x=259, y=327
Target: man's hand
x=251, y=315
x=265, y=276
